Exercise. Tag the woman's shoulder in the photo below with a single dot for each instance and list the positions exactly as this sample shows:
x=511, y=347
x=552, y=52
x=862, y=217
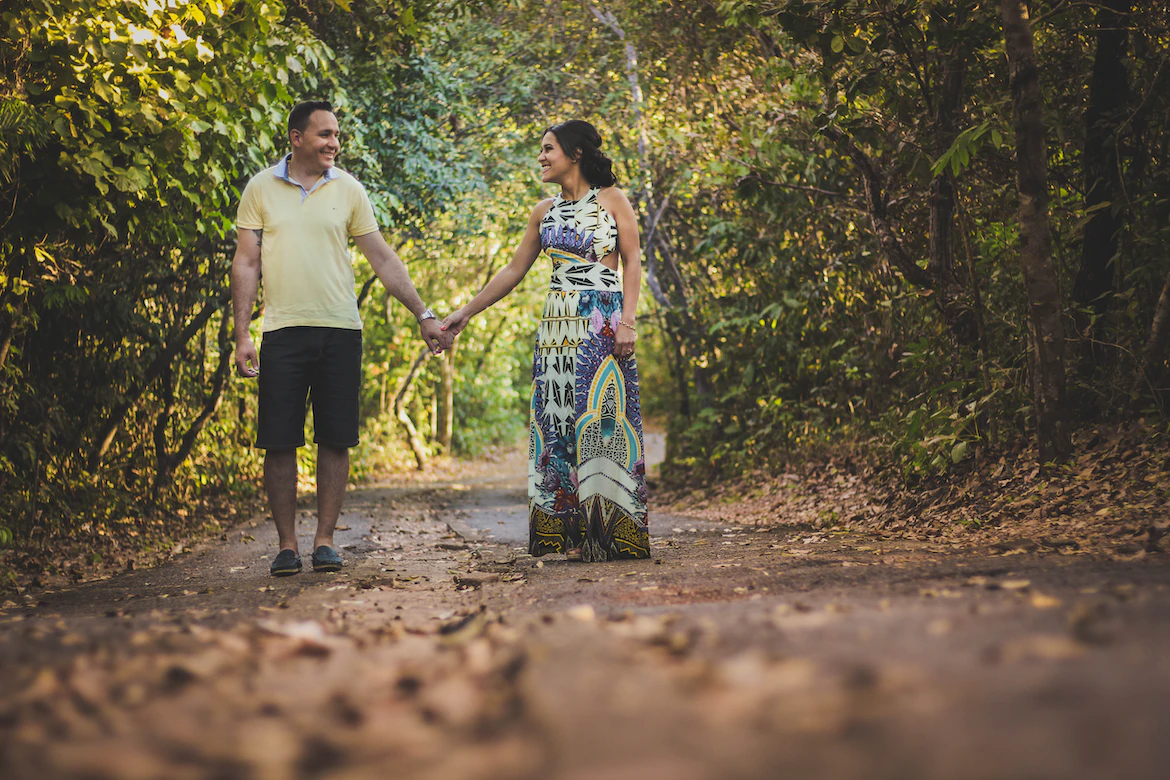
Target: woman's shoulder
x=614, y=201
x=541, y=209
x=613, y=195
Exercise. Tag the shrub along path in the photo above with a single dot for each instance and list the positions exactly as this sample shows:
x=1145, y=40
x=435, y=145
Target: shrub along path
x=738, y=652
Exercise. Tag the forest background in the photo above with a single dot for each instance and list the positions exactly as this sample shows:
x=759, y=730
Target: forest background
x=830, y=192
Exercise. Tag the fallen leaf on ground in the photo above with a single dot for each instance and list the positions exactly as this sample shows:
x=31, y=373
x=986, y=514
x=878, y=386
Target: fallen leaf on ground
x=583, y=613
x=1042, y=647
x=1042, y=601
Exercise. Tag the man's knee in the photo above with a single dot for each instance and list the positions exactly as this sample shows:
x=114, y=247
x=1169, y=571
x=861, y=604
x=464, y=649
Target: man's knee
x=331, y=450
x=280, y=457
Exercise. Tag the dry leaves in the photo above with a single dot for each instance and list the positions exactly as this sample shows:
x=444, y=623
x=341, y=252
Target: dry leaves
x=274, y=696
x=1110, y=500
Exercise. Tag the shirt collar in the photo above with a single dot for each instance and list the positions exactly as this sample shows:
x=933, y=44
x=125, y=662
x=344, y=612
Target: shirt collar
x=281, y=172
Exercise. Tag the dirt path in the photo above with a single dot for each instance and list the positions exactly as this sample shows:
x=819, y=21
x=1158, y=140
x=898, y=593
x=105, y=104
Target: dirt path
x=443, y=651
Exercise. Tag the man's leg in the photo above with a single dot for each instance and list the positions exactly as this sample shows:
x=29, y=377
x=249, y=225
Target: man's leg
x=336, y=390
x=280, y=482
x=332, y=477
x=287, y=356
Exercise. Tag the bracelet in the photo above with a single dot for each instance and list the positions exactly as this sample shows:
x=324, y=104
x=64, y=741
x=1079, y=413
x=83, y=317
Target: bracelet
x=628, y=325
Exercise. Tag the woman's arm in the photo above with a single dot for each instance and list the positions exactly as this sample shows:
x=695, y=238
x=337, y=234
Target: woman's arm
x=615, y=202
x=509, y=276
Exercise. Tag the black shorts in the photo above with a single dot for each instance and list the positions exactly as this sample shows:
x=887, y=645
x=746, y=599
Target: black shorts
x=295, y=361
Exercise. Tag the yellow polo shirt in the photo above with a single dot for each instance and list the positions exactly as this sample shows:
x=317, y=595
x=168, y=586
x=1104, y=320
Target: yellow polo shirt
x=306, y=266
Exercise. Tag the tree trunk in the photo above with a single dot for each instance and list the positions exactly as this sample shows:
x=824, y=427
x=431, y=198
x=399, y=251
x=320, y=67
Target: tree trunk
x=1155, y=349
x=689, y=330
x=608, y=18
x=1036, y=251
x=8, y=333
x=445, y=399
x=162, y=423
x=676, y=362
x=219, y=380
x=980, y=322
x=952, y=84
x=948, y=295
x=417, y=447
x=1105, y=114
x=487, y=347
x=682, y=328
x=651, y=256
x=14, y=270
x=152, y=372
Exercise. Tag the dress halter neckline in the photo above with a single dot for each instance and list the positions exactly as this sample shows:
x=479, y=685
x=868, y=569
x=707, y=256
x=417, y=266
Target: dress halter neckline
x=592, y=229
x=564, y=200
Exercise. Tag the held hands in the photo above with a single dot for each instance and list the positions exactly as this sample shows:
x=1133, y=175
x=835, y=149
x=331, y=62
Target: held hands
x=433, y=335
x=247, y=361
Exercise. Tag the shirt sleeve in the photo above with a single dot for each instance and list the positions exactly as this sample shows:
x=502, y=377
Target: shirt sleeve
x=250, y=215
x=361, y=217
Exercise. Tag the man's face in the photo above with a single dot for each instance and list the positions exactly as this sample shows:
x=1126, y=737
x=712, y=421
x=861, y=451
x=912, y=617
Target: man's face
x=319, y=144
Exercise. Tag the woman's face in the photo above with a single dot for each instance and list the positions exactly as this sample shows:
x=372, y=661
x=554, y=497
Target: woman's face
x=554, y=163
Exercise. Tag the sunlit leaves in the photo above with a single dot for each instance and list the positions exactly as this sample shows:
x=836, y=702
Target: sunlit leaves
x=966, y=146
x=124, y=74
x=124, y=132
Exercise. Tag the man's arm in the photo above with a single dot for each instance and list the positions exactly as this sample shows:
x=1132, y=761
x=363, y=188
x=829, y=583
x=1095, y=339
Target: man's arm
x=390, y=269
x=245, y=285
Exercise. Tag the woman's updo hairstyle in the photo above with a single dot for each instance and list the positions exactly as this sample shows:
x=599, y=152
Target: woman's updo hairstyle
x=581, y=141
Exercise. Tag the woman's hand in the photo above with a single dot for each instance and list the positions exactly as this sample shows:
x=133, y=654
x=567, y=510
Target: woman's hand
x=455, y=322
x=624, y=340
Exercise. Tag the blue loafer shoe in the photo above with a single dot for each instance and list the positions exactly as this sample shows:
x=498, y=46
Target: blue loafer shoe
x=325, y=558
x=286, y=564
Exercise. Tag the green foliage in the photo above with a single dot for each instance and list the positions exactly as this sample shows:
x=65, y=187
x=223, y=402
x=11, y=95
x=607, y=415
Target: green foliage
x=786, y=326
x=124, y=146
x=774, y=322
x=965, y=147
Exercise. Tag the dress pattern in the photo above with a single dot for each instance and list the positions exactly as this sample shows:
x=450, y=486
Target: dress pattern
x=586, y=466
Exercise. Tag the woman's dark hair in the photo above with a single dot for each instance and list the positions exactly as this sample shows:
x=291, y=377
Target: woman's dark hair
x=581, y=141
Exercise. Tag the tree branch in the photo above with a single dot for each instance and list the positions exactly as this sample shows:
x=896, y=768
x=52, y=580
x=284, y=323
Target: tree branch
x=366, y=290
x=210, y=404
x=412, y=435
x=487, y=347
x=651, y=255
x=797, y=187
x=877, y=204
x=160, y=363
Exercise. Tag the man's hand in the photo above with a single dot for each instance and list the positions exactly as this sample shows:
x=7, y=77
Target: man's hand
x=247, y=361
x=434, y=336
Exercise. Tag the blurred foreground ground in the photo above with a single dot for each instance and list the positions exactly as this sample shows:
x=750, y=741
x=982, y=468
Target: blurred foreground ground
x=443, y=651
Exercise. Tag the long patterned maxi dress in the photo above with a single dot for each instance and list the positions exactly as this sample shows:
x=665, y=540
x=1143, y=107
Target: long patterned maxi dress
x=586, y=463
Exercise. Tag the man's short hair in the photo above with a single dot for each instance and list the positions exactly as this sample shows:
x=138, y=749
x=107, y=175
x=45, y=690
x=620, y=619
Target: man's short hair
x=298, y=118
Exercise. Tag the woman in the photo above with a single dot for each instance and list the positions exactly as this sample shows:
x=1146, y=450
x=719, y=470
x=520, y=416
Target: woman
x=586, y=469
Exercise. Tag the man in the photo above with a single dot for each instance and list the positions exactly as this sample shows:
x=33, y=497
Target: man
x=304, y=211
